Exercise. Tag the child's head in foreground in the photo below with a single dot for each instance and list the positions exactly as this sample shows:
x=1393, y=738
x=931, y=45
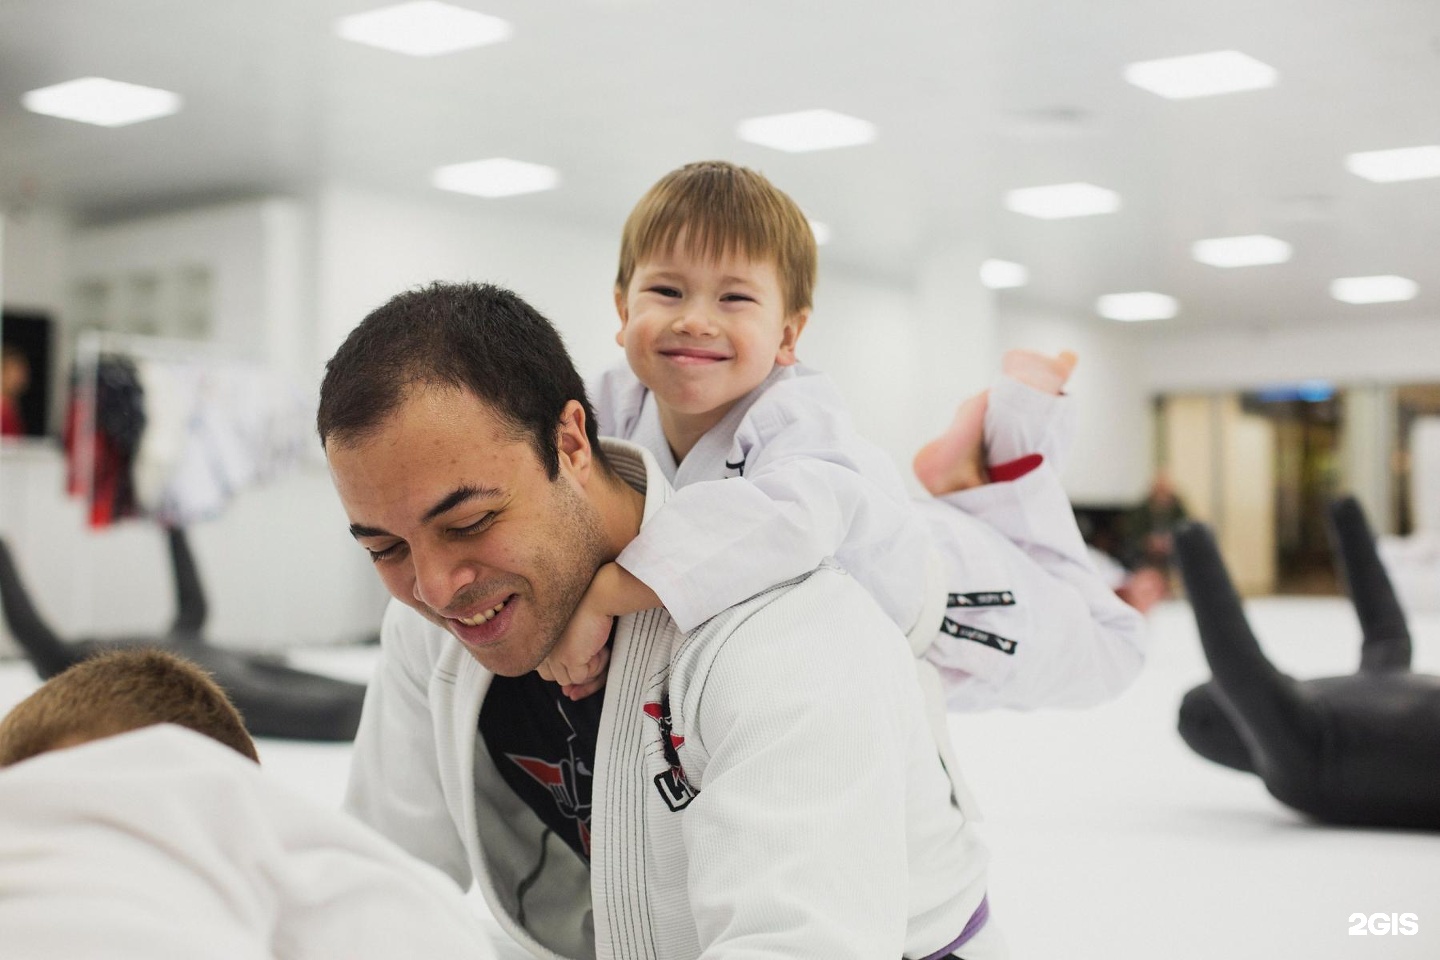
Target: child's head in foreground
x=117, y=692
x=717, y=274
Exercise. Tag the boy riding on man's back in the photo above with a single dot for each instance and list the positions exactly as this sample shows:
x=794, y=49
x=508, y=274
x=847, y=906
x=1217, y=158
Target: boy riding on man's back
x=988, y=576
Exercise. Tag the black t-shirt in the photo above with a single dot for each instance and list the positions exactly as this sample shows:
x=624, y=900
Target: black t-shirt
x=543, y=744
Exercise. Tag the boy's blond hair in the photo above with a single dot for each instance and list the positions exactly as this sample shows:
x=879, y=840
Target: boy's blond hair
x=116, y=692
x=723, y=209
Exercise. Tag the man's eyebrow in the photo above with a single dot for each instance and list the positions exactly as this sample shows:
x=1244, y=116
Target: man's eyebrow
x=447, y=503
x=458, y=496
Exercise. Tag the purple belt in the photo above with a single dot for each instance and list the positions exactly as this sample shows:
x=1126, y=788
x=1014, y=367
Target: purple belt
x=972, y=927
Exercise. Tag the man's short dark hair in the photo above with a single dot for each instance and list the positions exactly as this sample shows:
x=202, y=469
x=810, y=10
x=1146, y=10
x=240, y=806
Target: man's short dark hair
x=475, y=337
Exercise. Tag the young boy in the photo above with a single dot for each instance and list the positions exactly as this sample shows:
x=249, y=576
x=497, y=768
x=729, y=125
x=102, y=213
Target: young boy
x=989, y=577
x=117, y=692
x=125, y=835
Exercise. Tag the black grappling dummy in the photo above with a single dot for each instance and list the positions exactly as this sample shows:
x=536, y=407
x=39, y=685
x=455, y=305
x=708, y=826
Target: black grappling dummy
x=276, y=700
x=1360, y=750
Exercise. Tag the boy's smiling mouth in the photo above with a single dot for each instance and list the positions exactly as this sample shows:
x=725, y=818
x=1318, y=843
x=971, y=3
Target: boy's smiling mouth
x=693, y=355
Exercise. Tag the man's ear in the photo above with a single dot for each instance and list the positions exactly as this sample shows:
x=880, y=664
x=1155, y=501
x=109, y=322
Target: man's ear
x=623, y=309
x=790, y=335
x=572, y=443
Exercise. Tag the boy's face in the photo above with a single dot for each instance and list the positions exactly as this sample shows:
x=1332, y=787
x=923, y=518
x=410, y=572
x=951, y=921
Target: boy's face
x=701, y=334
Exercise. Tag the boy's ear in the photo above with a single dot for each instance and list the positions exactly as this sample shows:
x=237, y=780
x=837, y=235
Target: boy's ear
x=790, y=335
x=623, y=309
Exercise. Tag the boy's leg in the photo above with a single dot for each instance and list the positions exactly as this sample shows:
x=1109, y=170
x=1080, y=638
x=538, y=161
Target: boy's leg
x=980, y=436
x=955, y=460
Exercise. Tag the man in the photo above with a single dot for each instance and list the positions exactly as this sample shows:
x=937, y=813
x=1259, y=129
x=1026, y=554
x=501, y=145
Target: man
x=765, y=785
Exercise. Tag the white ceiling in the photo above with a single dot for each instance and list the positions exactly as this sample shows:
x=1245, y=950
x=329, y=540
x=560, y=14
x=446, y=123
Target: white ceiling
x=971, y=98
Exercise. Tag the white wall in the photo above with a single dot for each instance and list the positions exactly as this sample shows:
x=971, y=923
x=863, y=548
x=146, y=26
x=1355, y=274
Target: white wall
x=1111, y=460
x=1392, y=351
x=372, y=246
x=257, y=255
x=35, y=254
x=863, y=334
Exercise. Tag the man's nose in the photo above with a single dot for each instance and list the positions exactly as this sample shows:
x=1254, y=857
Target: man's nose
x=439, y=576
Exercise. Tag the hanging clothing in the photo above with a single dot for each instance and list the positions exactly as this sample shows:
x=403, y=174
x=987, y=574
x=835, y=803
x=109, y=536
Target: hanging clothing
x=100, y=441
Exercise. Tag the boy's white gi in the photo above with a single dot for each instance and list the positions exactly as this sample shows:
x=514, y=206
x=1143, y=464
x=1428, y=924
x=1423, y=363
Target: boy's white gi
x=162, y=844
x=1023, y=617
x=808, y=816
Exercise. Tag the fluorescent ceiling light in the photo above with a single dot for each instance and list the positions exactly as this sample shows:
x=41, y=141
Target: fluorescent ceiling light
x=1063, y=200
x=1002, y=274
x=806, y=130
x=821, y=231
x=1201, y=75
x=1131, y=307
x=1388, y=166
x=423, y=28
x=496, y=177
x=105, y=103
x=1387, y=289
x=1249, y=251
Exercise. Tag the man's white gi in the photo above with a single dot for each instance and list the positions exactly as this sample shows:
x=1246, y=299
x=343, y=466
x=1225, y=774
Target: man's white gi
x=808, y=816
x=162, y=844
x=1024, y=619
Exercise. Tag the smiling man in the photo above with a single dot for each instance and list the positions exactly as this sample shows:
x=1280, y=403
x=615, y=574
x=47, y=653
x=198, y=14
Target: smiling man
x=764, y=785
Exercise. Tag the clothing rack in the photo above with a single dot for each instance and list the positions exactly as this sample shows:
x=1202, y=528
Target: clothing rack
x=90, y=346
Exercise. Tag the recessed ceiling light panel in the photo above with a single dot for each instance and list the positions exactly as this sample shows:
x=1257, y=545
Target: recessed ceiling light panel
x=1388, y=166
x=1003, y=275
x=1201, y=75
x=496, y=177
x=1248, y=251
x=807, y=130
x=1132, y=307
x=1385, y=289
x=105, y=103
x=1063, y=200
x=423, y=28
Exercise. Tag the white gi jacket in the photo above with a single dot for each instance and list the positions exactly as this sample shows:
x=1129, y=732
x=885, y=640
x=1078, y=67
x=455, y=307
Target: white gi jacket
x=809, y=816
x=162, y=844
x=1024, y=618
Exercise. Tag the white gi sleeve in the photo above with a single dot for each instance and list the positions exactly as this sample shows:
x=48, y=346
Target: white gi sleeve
x=797, y=838
x=811, y=488
x=1020, y=420
x=394, y=782
x=1058, y=635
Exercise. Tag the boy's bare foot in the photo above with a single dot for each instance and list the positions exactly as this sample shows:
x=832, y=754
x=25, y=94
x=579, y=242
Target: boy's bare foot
x=955, y=460
x=1043, y=373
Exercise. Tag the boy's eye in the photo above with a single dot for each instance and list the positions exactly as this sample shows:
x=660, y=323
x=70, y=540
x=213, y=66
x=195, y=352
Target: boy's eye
x=738, y=297
x=665, y=291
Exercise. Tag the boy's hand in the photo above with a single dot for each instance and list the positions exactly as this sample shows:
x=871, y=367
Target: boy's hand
x=580, y=657
x=578, y=660
x=1036, y=370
